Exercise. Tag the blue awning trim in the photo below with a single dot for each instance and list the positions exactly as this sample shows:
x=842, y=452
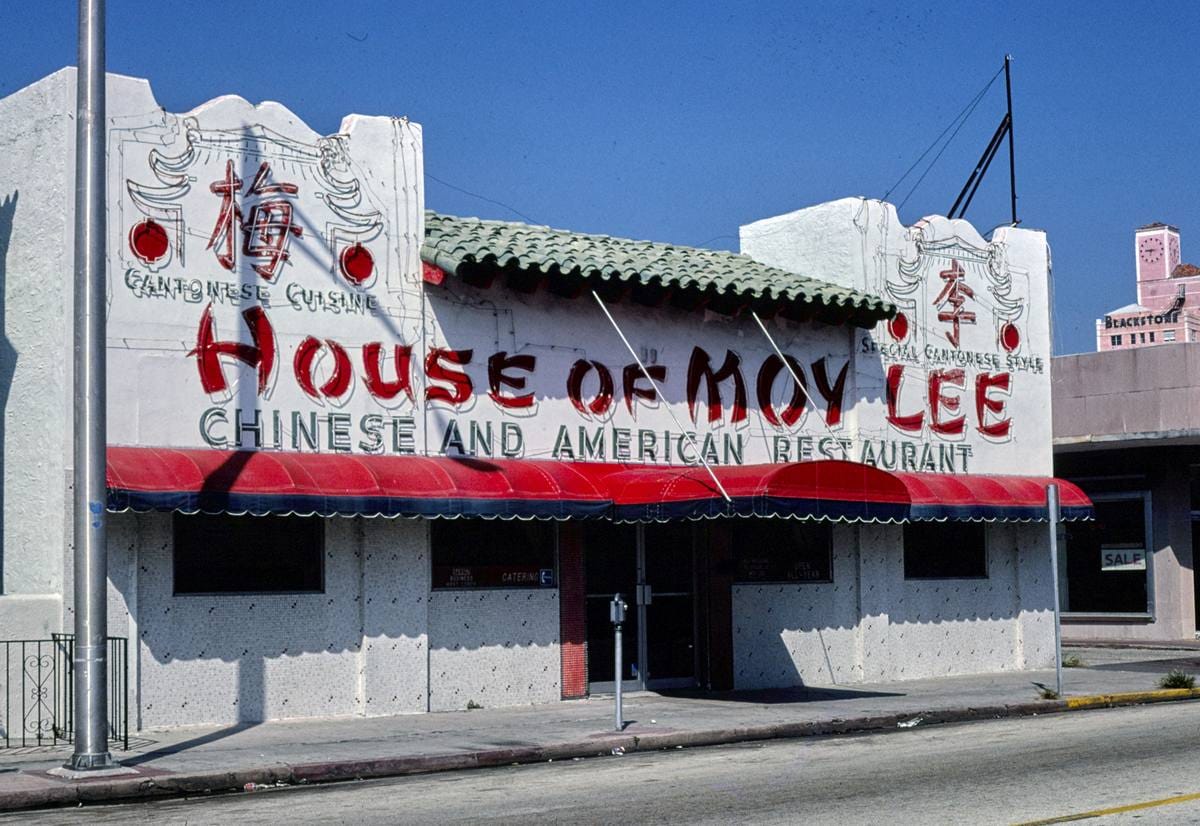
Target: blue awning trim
x=271, y=504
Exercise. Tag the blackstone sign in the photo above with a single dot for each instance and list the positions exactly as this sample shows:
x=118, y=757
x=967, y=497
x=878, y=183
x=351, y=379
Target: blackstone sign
x=266, y=293
x=1149, y=319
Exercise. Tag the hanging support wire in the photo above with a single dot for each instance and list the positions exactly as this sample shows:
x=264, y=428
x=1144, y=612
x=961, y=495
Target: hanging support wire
x=1004, y=130
x=799, y=381
x=658, y=393
x=956, y=125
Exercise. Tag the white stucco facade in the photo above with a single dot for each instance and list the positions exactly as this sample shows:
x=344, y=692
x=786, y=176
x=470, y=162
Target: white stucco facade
x=870, y=624
x=376, y=641
x=961, y=391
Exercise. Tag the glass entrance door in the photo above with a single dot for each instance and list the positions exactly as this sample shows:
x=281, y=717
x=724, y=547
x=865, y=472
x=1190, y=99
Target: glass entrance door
x=653, y=568
x=611, y=566
x=669, y=597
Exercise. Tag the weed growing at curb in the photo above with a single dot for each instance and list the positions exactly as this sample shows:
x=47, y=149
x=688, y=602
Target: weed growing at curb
x=1045, y=691
x=1176, y=679
x=1072, y=661
x=472, y=705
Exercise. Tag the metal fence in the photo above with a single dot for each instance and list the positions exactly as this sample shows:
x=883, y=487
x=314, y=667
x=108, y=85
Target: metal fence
x=39, y=685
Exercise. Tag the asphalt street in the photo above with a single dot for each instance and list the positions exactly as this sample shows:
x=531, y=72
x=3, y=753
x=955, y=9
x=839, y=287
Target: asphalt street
x=1011, y=771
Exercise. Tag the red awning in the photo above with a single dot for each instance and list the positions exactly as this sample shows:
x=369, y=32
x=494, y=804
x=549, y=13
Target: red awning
x=833, y=489
x=944, y=496
x=209, y=481
x=826, y=489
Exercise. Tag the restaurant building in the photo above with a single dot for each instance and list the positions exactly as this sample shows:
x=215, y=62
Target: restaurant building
x=366, y=458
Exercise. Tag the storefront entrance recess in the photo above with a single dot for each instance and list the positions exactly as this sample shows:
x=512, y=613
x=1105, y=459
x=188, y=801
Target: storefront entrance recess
x=654, y=568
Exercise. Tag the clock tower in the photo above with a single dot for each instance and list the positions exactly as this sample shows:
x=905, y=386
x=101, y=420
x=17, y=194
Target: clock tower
x=1156, y=251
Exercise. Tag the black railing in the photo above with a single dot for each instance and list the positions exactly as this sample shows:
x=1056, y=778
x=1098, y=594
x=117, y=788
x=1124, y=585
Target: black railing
x=39, y=686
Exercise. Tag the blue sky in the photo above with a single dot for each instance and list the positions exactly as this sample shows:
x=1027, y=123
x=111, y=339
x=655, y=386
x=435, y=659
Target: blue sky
x=678, y=122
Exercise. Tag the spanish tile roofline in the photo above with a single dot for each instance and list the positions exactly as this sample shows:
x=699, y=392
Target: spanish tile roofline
x=565, y=262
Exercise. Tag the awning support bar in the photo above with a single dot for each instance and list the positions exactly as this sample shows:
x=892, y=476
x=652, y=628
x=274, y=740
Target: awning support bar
x=659, y=394
x=799, y=382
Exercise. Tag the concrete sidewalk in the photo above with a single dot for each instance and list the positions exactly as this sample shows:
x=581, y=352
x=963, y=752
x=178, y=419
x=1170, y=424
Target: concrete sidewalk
x=198, y=760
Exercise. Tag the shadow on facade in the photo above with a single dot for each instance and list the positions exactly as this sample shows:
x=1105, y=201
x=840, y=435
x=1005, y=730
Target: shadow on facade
x=8, y=355
x=239, y=659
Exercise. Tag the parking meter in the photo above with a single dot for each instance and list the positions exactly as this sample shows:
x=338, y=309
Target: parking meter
x=616, y=613
x=616, y=610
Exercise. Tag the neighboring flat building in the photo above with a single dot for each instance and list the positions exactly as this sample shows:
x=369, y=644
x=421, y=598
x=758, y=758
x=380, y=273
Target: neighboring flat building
x=1127, y=430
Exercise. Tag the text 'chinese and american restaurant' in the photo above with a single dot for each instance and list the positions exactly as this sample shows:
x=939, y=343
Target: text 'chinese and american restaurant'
x=370, y=459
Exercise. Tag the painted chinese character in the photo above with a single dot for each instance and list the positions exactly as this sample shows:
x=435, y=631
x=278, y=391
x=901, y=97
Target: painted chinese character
x=229, y=219
x=951, y=299
x=265, y=230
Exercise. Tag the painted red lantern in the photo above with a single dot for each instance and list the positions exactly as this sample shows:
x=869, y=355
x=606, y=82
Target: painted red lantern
x=1010, y=336
x=148, y=241
x=357, y=263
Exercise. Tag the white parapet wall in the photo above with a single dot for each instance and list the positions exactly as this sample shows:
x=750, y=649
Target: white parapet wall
x=965, y=367
x=36, y=261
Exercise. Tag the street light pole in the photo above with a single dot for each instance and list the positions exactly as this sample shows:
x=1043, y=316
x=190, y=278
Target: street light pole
x=91, y=551
x=1052, y=512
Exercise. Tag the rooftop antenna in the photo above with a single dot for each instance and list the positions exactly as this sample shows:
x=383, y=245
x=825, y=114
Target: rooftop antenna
x=1005, y=129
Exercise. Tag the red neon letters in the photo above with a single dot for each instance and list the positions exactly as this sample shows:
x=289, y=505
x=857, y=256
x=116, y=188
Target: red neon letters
x=448, y=381
x=770, y=370
x=338, y=382
x=460, y=383
x=379, y=387
x=259, y=355
x=498, y=378
x=989, y=410
x=700, y=368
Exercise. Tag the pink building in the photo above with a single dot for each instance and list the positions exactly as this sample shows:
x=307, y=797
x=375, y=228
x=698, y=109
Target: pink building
x=1168, y=296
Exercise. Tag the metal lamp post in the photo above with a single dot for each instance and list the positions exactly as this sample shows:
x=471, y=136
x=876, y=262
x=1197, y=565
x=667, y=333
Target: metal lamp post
x=1052, y=512
x=91, y=553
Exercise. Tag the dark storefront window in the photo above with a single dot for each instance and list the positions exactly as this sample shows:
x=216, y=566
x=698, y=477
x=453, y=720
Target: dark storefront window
x=945, y=550
x=248, y=554
x=489, y=553
x=1107, y=558
x=777, y=550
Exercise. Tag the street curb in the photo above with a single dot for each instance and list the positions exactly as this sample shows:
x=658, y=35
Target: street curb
x=1138, y=645
x=1127, y=698
x=124, y=789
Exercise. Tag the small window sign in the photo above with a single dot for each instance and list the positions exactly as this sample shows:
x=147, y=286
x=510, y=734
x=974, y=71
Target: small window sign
x=1122, y=557
x=479, y=553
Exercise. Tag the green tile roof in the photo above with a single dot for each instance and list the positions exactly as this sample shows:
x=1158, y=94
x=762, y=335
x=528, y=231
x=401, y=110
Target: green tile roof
x=456, y=245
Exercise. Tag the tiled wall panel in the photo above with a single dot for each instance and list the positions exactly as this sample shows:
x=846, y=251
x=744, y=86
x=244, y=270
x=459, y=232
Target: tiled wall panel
x=493, y=648
x=232, y=658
